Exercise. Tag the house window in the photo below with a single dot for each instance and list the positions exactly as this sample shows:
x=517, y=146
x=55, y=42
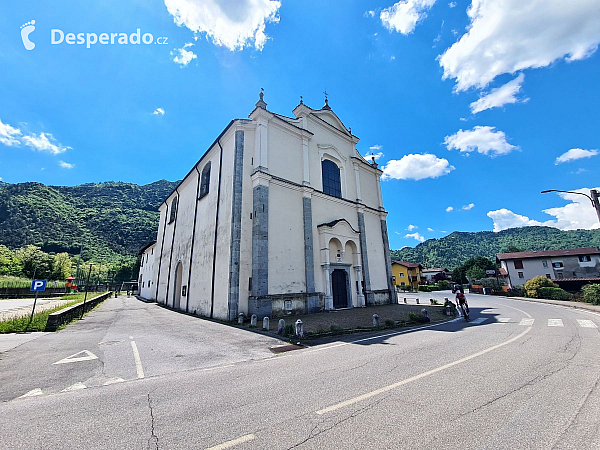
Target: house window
x=402, y=283
x=518, y=263
x=557, y=265
x=401, y=275
x=205, y=180
x=585, y=258
x=173, y=210
x=545, y=263
x=548, y=276
x=521, y=275
x=559, y=275
x=331, y=178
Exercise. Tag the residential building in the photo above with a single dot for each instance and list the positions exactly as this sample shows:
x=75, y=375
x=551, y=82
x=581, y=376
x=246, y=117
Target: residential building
x=429, y=275
x=561, y=266
x=147, y=273
x=406, y=274
x=281, y=215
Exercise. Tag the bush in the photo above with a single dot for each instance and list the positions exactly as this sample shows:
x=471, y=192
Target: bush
x=419, y=318
x=553, y=293
x=389, y=323
x=288, y=330
x=591, y=293
x=532, y=286
x=444, y=284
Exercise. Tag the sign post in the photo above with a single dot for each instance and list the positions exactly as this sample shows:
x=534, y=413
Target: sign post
x=36, y=286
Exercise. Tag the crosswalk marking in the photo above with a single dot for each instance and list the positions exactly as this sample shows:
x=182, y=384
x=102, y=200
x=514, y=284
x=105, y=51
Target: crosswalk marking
x=76, y=387
x=555, y=323
x=586, y=323
x=526, y=322
x=479, y=320
x=503, y=319
x=32, y=393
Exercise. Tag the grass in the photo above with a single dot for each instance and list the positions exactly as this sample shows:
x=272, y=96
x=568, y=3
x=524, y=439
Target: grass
x=80, y=295
x=7, y=281
x=18, y=324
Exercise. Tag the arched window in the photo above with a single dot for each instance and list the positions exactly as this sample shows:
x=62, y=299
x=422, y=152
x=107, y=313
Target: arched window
x=205, y=181
x=331, y=178
x=173, y=210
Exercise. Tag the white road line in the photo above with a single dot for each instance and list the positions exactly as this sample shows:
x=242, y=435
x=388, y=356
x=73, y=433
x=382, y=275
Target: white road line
x=76, y=387
x=512, y=307
x=479, y=320
x=555, y=323
x=113, y=381
x=233, y=443
x=138, y=361
x=32, y=393
x=586, y=323
x=86, y=356
x=218, y=367
x=503, y=319
x=526, y=322
x=418, y=377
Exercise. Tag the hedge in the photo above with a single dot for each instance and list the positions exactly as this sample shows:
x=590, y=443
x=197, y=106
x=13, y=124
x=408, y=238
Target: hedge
x=553, y=293
x=591, y=293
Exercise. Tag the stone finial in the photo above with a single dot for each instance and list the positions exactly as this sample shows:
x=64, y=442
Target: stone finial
x=280, y=326
x=266, y=323
x=253, y=320
x=261, y=103
x=301, y=101
x=375, y=321
x=373, y=163
x=240, y=318
x=326, y=105
x=299, y=328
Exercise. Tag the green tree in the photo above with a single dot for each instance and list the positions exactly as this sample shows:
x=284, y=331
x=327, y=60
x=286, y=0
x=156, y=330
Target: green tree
x=61, y=268
x=475, y=273
x=533, y=286
x=9, y=263
x=35, y=262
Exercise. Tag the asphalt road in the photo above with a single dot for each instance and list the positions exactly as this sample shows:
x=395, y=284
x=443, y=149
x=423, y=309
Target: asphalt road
x=520, y=375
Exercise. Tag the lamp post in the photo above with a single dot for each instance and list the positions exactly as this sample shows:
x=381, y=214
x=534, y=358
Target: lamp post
x=593, y=198
x=87, y=286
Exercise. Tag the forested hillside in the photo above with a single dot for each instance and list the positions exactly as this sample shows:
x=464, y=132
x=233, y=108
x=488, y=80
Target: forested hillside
x=110, y=219
x=455, y=249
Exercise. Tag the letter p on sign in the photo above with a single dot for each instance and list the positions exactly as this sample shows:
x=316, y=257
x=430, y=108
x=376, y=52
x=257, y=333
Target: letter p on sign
x=38, y=285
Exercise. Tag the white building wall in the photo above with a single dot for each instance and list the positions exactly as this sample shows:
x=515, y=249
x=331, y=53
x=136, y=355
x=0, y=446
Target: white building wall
x=147, y=286
x=377, y=271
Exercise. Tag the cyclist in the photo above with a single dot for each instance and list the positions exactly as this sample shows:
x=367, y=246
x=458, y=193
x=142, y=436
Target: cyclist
x=461, y=302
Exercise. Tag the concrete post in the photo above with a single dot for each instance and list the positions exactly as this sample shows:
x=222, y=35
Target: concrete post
x=404, y=299
x=418, y=301
x=241, y=319
x=375, y=321
x=266, y=323
x=299, y=328
x=253, y=320
x=280, y=326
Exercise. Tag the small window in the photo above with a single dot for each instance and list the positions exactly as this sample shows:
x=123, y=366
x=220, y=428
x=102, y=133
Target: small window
x=402, y=283
x=548, y=276
x=518, y=263
x=173, y=210
x=205, y=180
x=557, y=265
x=545, y=263
x=559, y=275
x=331, y=178
x=585, y=258
x=401, y=275
x=521, y=275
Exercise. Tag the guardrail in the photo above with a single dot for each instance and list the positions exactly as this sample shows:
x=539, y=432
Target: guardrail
x=63, y=316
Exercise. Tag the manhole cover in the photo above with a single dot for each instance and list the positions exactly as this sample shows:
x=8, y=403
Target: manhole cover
x=286, y=348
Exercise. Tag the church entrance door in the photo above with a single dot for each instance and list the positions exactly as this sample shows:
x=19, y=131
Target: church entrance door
x=177, y=290
x=339, y=285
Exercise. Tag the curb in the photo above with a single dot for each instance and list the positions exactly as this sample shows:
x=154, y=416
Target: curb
x=574, y=305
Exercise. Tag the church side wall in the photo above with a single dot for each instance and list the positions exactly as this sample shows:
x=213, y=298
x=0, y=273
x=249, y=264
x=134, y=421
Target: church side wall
x=285, y=154
x=377, y=270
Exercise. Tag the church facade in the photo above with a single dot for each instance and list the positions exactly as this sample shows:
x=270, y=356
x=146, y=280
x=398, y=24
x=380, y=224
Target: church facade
x=281, y=215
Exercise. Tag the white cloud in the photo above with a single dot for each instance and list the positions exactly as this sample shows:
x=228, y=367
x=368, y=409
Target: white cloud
x=500, y=96
x=44, y=142
x=575, y=153
x=480, y=139
x=416, y=236
x=452, y=4
x=370, y=13
x=231, y=24
x=506, y=36
x=375, y=147
x=412, y=227
x=417, y=167
x=431, y=230
x=468, y=207
x=578, y=214
x=182, y=56
x=159, y=111
x=377, y=156
x=65, y=165
x=404, y=15
x=8, y=135
x=449, y=209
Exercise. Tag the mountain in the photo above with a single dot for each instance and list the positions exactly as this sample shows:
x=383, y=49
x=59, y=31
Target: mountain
x=455, y=249
x=110, y=219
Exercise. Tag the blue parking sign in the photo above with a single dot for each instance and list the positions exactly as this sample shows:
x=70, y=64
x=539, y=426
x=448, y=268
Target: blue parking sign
x=38, y=285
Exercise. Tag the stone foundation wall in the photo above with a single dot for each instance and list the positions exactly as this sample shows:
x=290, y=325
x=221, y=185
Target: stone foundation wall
x=381, y=297
x=281, y=305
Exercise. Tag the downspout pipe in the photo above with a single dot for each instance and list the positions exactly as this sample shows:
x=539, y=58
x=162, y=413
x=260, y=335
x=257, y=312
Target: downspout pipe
x=161, y=252
x=189, y=283
x=214, y=267
x=172, y=244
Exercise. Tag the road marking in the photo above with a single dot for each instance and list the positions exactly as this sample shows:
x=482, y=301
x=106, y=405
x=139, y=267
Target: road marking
x=32, y=393
x=233, y=443
x=418, y=377
x=503, y=319
x=138, y=361
x=526, y=322
x=76, y=387
x=218, y=367
x=512, y=307
x=75, y=358
x=555, y=323
x=586, y=323
x=479, y=320
x=113, y=381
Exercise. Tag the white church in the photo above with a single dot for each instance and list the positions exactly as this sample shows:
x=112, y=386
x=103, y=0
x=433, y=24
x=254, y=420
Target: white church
x=281, y=215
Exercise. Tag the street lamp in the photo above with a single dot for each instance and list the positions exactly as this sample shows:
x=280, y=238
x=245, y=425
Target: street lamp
x=87, y=287
x=593, y=198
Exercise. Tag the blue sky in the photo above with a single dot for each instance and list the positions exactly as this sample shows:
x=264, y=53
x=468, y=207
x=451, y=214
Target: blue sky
x=486, y=104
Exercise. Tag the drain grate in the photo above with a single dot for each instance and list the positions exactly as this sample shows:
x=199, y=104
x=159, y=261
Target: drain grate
x=286, y=348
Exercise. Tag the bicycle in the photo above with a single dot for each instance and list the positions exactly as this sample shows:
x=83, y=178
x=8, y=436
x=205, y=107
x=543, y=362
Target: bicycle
x=464, y=307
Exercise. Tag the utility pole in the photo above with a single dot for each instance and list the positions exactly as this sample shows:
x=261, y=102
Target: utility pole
x=78, y=263
x=594, y=194
x=87, y=286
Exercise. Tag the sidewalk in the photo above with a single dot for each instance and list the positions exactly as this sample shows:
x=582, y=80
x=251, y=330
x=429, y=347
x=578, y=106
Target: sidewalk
x=579, y=305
